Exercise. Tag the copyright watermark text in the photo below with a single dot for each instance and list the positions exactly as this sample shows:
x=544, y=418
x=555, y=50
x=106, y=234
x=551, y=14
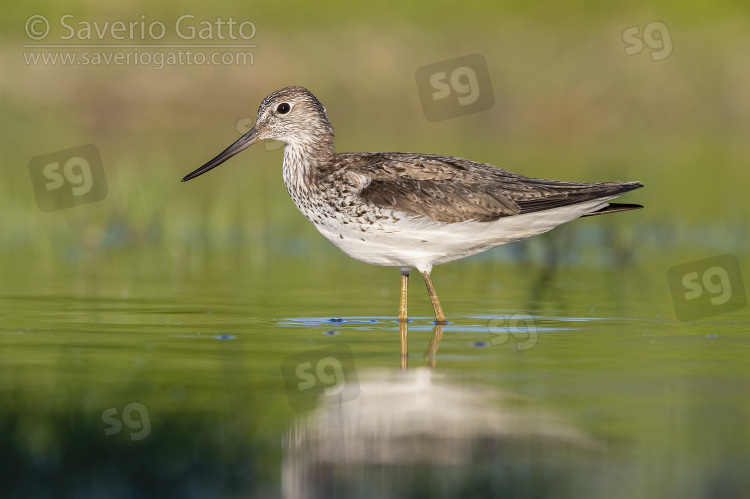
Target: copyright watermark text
x=187, y=40
x=186, y=27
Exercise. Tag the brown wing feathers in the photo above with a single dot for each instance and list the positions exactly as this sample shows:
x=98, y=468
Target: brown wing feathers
x=451, y=190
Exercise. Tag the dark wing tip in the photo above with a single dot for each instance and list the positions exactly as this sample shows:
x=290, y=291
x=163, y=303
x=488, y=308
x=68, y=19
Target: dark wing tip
x=630, y=186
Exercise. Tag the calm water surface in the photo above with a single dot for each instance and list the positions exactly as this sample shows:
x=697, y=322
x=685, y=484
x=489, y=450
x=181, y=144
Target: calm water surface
x=135, y=373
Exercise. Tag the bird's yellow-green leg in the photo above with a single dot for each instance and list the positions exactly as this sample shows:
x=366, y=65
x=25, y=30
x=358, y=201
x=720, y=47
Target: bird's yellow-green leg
x=402, y=317
x=439, y=317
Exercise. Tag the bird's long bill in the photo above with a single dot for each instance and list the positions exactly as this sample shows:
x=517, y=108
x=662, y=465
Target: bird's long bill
x=250, y=138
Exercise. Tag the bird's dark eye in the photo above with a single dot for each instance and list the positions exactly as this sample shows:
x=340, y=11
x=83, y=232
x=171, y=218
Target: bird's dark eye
x=283, y=108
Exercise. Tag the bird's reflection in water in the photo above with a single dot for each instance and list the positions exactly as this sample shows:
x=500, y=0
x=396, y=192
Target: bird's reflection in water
x=424, y=433
x=437, y=335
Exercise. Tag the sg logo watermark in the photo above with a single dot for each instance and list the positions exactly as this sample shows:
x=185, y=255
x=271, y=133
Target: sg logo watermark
x=655, y=36
x=707, y=287
x=141, y=425
x=68, y=178
x=455, y=87
x=329, y=371
x=244, y=125
x=518, y=329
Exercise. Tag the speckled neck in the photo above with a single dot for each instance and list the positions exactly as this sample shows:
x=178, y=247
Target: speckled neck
x=305, y=158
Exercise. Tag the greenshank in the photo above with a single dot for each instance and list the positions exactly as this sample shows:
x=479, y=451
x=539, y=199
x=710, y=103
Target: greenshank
x=410, y=210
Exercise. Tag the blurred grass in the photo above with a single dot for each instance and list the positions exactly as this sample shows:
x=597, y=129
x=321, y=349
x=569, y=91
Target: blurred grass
x=435, y=14
x=569, y=105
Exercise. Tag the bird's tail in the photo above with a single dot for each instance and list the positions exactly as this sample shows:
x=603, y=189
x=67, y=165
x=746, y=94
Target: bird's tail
x=613, y=208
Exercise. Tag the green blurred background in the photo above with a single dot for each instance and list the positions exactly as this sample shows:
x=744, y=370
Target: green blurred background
x=569, y=104
x=103, y=303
